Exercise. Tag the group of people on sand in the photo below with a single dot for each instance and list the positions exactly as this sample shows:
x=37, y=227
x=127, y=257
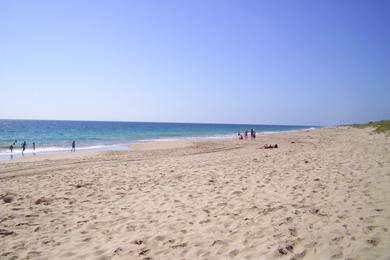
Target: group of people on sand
x=253, y=137
x=252, y=132
x=24, y=146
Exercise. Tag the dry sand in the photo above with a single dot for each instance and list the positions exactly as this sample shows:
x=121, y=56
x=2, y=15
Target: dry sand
x=323, y=194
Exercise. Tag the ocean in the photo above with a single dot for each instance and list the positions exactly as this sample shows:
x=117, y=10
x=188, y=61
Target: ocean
x=57, y=136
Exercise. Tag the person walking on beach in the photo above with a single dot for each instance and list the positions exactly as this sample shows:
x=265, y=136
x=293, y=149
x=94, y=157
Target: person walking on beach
x=34, y=146
x=11, y=147
x=73, y=146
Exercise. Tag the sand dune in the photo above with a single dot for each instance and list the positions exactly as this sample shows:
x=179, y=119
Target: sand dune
x=324, y=194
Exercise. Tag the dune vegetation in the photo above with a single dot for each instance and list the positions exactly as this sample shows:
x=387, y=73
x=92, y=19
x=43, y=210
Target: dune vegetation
x=382, y=126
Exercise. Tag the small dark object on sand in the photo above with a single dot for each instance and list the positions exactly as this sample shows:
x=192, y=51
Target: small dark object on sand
x=290, y=248
x=138, y=242
x=282, y=251
x=143, y=252
x=8, y=199
x=117, y=251
x=43, y=201
x=373, y=242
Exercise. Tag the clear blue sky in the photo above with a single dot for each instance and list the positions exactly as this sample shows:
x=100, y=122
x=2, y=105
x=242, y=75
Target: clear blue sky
x=273, y=62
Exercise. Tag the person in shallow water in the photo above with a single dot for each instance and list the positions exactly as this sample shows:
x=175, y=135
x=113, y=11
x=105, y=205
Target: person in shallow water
x=24, y=146
x=73, y=146
x=11, y=147
x=34, y=146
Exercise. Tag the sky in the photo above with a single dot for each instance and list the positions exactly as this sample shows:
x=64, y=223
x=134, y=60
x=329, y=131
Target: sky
x=250, y=61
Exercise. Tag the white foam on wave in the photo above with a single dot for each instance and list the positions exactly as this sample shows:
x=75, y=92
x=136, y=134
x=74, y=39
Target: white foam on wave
x=58, y=149
x=31, y=151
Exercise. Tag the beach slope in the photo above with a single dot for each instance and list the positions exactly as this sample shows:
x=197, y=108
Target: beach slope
x=323, y=194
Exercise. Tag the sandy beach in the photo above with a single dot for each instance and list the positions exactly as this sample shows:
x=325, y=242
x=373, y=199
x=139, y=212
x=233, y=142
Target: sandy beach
x=323, y=194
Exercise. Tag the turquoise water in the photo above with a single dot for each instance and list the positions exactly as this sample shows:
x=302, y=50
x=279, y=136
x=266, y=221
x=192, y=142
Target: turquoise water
x=55, y=136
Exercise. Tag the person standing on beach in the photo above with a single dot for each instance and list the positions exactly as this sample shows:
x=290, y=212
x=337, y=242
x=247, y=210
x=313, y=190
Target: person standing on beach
x=34, y=146
x=11, y=147
x=73, y=146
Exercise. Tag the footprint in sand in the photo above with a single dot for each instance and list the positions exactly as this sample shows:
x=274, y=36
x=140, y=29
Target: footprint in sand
x=159, y=238
x=234, y=253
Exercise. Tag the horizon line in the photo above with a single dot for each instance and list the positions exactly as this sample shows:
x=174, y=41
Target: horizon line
x=158, y=122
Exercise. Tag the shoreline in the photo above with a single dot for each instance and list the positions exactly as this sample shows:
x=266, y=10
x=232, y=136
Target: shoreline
x=150, y=143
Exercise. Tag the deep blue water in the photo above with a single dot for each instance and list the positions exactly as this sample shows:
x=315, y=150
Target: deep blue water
x=50, y=135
